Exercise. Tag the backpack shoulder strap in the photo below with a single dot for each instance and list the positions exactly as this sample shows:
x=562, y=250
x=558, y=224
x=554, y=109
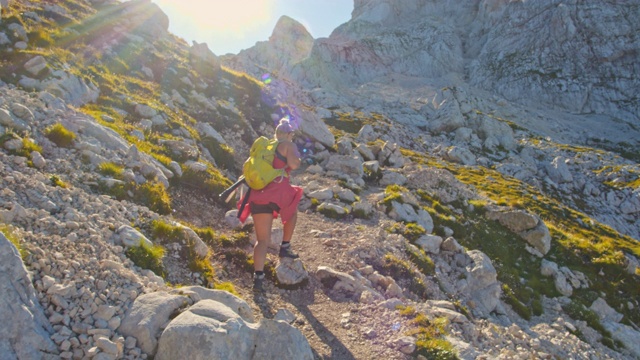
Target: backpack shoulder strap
x=280, y=156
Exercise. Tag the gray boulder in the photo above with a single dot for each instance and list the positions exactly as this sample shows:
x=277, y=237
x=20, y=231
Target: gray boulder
x=461, y=155
x=8, y=120
x=516, y=221
x=538, y=237
x=483, y=286
x=559, y=171
x=150, y=314
x=25, y=333
x=211, y=330
x=35, y=65
x=129, y=236
x=528, y=226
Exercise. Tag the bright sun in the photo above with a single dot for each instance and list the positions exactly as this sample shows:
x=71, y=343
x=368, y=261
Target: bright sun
x=232, y=17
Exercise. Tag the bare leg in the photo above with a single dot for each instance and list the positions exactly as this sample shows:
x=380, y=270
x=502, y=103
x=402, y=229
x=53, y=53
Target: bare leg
x=262, y=225
x=288, y=227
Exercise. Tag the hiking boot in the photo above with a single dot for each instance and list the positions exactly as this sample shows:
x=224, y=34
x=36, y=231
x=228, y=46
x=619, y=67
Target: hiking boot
x=258, y=283
x=288, y=253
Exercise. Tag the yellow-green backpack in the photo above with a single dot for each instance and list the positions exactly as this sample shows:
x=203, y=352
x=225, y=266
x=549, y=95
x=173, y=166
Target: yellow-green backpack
x=258, y=170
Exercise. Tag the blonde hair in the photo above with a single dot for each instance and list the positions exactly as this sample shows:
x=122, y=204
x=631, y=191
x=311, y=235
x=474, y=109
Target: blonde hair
x=283, y=128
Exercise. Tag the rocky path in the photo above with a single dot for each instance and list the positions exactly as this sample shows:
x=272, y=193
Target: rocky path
x=335, y=328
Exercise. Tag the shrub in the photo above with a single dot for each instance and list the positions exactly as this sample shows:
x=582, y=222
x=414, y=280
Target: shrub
x=111, y=169
x=55, y=181
x=421, y=260
x=28, y=145
x=60, y=136
x=394, y=193
x=154, y=196
x=431, y=342
x=222, y=154
x=226, y=286
x=578, y=311
x=517, y=306
x=148, y=257
x=413, y=231
x=401, y=271
x=208, y=183
x=166, y=232
x=239, y=258
x=118, y=190
x=202, y=266
x=40, y=38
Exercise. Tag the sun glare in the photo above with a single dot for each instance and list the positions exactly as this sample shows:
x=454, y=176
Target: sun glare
x=233, y=18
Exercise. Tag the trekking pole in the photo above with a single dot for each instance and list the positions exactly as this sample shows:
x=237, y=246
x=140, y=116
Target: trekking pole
x=227, y=193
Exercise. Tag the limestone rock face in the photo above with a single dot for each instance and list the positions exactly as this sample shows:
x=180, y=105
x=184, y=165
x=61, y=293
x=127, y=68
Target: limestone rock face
x=146, y=17
x=490, y=43
x=599, y=75
x=289, y=43
x=203, y=60
x=25, y=330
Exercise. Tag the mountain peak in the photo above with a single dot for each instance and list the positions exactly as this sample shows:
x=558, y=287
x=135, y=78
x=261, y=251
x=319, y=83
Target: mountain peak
x=290, y=31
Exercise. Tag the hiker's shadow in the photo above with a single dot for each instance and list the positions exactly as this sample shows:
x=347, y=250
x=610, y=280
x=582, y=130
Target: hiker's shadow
x=261, y=300
x=338, y=350
x=301, y=300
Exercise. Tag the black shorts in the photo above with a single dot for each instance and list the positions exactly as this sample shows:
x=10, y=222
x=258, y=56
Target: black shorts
x=264, y=208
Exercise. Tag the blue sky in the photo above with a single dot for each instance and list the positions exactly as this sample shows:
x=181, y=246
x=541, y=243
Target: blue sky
x=228, y=26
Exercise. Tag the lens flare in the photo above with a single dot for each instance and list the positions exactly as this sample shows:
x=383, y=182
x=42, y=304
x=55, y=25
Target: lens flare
x=266, y=78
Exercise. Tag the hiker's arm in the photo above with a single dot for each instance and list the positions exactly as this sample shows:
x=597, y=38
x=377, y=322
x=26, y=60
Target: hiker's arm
x=292, y=155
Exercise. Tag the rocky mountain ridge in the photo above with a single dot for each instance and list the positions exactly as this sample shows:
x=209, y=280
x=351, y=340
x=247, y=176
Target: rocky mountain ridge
x=399, y=197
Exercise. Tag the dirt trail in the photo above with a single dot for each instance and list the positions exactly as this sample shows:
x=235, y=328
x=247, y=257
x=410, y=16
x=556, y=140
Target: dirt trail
x=335, y=328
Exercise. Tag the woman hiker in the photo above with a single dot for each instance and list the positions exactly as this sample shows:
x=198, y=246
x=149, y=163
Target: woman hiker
x=277, y=198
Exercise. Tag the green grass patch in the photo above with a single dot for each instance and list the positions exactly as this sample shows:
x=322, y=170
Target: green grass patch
x=40, y=38
x=27, y=147
x=404, y=274
x=165, y=232
x=222, y=154
x=226, y=286
x=148, y=257
x=587, y=249
x=420, y=258
x=204, y=268
x=112, y=170
x=413, y=231
x=345, y=122
x=154, y=196
x=430, y=335
x=394, y=193
x=57, y=182
x=168, y=233
x=410, y=231
x=60, y=136
x=238, y=258
x=511, y=299
x=150, y=194
x=10, y=233
x=578, y=311
x=352, y=122
x=209, y=183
